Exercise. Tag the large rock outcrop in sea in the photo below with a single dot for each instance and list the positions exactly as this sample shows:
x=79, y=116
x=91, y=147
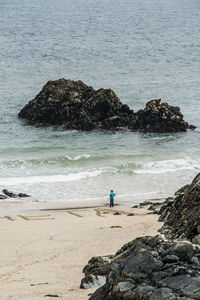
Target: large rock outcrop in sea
x=150, y=268
x=74, y=105
x=181, y=216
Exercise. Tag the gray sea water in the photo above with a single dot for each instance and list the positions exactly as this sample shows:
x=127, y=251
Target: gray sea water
x=142, y=50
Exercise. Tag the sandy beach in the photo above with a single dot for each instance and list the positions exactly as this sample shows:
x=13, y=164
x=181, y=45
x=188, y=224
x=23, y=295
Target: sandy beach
x=32, y=265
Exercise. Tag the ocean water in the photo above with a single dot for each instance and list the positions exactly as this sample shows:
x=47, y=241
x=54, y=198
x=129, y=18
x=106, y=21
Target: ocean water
x=142, y=50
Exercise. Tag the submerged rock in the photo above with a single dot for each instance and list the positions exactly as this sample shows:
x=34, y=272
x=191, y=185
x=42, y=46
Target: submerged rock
x=181, y=217
x=74, y=105
x=150, y=268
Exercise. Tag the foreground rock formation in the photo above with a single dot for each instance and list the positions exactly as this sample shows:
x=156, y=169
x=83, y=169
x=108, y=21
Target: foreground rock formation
x=96, y=272
x=74, y=105
x=150, y=268
x=181, y=217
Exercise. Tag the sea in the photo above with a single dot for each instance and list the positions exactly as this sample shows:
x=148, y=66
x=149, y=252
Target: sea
x=142, y=49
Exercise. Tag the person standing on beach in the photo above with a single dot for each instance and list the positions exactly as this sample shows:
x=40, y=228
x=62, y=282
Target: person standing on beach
x=112, y=195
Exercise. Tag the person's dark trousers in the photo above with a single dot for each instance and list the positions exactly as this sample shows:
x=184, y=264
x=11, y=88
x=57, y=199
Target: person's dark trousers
x=111, y=202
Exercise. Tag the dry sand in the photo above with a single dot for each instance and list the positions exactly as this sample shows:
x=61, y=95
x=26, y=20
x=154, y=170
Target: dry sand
x=32, y=265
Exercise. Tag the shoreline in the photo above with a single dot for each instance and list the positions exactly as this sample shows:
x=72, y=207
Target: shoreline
x=18, y=206
x=33, y=265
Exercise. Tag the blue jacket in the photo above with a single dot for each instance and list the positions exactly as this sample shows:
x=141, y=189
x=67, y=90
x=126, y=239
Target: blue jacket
x=112, y=195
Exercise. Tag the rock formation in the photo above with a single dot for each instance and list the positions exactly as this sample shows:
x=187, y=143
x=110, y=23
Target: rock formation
x=96, y=272
x=181, y=217
x=159, y=117
x=74, y=105
x=12, y=195
x=9, y=194
x=150, y=268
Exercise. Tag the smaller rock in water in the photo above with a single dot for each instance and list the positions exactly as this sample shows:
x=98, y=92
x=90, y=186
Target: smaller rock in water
x=160, y=117
x=22, y=195
x=9, y=194
x=12, y=195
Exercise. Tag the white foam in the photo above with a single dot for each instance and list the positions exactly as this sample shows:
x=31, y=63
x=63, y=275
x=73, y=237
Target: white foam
x=77, y=157
x=29, y=162
x=50, y=178
x=165, y=166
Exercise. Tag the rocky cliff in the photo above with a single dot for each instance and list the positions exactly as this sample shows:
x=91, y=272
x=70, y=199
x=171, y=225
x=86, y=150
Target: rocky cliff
x=181, y=217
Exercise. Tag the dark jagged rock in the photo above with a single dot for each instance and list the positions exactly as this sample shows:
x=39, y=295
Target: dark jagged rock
x=2, y=197
x=158, y=117
x=157, y=207
x=135, y=206
x=145, y=203
x=22, y=195
x=182, y=190
x=95, y=272
x=9, y=194
x=150, y=268
x=154, y=206
x=181, y=217
x=160, y=207
x=74, y=105
x=12, y=195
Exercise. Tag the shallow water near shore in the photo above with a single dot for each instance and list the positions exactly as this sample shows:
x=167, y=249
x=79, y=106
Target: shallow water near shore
x=142, y=50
